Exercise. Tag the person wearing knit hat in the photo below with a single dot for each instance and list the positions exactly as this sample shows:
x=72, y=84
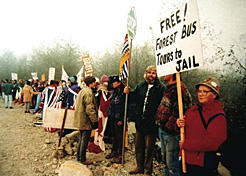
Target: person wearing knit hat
x=72, y=79
x=205, y=130
x=104, y=78
x=85, y=117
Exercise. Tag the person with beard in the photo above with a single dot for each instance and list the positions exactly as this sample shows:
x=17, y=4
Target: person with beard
x=144, y=101
x=85, y=117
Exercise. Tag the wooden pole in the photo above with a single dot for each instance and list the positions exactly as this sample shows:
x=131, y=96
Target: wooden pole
x=62, y=127
x=182, y=133
x=125, y=112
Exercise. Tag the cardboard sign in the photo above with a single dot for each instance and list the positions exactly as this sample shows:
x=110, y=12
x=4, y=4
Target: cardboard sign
x=43, y=77
x=87, y=65
x=178, y=46
x=52, y=71
x=53, y=118
x=14, y=76
x=34, y=75
x=132, y=23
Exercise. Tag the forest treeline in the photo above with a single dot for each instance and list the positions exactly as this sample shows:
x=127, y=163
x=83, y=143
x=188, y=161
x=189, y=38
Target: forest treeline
x=227, y=65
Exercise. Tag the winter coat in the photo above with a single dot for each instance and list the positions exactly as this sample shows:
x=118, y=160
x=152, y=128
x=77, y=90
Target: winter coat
x=7, y=88
x=85, y=114
x=168, y=110
x=27, y=92
x=117, y=105
x=145, y=121
x=199, y=140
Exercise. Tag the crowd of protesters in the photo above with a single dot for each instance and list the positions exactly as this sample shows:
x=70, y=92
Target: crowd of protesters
x=152, y=106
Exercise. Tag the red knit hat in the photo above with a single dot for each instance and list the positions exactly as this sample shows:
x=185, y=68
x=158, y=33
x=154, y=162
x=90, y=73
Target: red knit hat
x=104, y=78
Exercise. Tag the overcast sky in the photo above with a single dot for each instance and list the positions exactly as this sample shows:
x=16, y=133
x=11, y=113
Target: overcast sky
x=96, y=25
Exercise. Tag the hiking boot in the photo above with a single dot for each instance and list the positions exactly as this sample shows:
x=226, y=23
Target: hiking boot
x=10, y=107
x=87, y=162
x=136, y=171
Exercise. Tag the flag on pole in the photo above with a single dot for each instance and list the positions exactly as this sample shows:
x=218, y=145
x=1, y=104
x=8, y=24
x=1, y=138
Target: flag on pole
x=124, y=62
x=64, y=74
x=79, y=76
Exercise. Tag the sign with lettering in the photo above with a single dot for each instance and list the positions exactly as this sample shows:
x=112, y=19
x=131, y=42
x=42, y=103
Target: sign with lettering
x=14, y=76
x=87, y=65
x=52, y=71
x=178, y=45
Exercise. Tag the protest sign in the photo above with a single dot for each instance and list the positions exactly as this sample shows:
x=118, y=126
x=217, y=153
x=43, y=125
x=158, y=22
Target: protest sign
x=43, y=77
x=14, y=76
x=53, y=118
x=34, y=75
x=87, y=65
x=51, y=73
x=178, y=43
x=132, y=23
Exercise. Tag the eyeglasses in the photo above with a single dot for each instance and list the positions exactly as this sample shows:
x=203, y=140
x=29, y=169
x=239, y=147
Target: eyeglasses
x=203, y=91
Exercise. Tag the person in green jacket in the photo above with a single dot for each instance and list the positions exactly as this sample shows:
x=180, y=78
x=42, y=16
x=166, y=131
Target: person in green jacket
x=85, y=117
x=8, y=89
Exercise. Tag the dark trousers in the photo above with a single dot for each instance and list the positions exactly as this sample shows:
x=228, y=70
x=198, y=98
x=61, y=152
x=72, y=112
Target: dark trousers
x=117, y=139
x=193, y=170
x=144, y=148
x=83, y=143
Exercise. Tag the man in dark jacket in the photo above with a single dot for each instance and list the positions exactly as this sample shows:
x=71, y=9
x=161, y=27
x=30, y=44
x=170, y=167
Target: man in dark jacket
x=8, y=89
x=145, y=99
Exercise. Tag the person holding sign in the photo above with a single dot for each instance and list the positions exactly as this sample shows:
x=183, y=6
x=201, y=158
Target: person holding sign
x=205, y=130
x=145, y=100
x=167, y=114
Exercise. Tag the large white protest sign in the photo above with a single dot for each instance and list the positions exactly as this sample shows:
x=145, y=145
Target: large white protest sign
x=87, y=65
x=178, y=43
x=34, y=75
x=51, y=73
x=14, y=76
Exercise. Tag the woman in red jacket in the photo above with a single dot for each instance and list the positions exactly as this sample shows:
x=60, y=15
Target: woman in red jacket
x=205, y=130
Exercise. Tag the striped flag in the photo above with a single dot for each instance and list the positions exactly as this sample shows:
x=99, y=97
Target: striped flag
x=124, y=62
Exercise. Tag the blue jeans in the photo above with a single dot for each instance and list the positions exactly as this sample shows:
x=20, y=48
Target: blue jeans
x=8, y=98
x=170, y=152
x=38, y=101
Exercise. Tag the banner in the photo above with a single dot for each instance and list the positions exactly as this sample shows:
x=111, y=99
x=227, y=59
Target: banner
x=178, y=45
x=14, y=76
x=51, y=73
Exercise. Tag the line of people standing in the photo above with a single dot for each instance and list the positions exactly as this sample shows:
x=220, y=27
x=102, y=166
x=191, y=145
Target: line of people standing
x=154, y=109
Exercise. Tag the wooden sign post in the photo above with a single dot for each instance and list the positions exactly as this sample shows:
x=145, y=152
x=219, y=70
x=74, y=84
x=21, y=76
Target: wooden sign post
x=180, y=103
